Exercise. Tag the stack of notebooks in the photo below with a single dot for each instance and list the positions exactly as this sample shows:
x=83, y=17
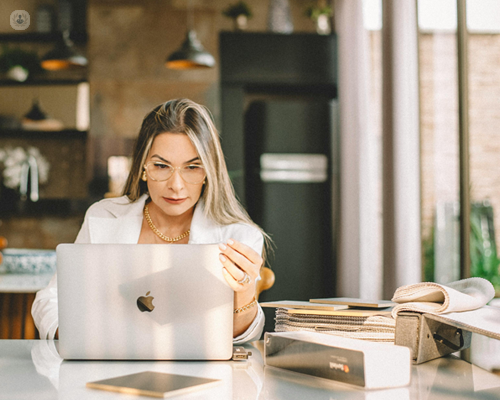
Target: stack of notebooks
x=346, y=317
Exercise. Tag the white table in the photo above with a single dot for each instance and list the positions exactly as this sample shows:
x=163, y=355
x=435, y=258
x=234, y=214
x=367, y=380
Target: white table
x=32, y=369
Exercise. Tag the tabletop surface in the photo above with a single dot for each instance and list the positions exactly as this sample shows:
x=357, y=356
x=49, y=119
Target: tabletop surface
x=33, y=369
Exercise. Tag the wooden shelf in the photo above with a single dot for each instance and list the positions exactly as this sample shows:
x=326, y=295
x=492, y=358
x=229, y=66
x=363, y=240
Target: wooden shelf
x=45, y=37
x=43, y=82
x=11, y=208
x=32, y=134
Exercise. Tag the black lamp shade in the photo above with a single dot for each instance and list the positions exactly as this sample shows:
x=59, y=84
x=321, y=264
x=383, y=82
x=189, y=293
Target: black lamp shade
x=191, y=55
x=36, y=113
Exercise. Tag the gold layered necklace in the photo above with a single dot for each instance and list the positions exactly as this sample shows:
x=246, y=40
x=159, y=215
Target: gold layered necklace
x=158, y=233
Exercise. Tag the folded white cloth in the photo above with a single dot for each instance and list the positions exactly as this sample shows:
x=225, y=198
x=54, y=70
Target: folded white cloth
x=434, y=298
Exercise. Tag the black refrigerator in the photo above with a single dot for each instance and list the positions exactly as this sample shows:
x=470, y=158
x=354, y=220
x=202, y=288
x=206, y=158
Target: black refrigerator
x=279, y=135
x=288, y=186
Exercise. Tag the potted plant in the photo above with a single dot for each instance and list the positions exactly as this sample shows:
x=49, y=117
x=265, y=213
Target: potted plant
x=240, y=13
x=320, y=13
x=18, y=64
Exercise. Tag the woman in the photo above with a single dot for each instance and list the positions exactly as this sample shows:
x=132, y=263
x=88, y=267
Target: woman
x=178, y=191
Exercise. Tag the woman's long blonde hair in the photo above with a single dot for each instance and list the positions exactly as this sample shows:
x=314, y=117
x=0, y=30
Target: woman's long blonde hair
x=187, y=117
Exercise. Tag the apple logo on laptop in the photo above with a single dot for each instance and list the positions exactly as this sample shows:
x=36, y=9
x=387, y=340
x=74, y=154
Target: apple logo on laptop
x=145, y=303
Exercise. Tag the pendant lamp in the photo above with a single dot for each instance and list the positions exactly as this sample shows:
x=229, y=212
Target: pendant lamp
x=192, y=54
x=63, y=56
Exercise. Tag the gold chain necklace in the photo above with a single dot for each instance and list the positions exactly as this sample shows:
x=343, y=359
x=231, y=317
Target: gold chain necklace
x=158, y=233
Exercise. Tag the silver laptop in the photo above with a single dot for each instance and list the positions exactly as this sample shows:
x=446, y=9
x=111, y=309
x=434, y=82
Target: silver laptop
x=143, y=302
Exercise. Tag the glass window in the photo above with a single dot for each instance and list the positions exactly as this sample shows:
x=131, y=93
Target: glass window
x=483, y=20
x=439, y=140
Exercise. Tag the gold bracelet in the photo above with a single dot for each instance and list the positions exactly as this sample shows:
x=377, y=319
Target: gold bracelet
x=244, y=308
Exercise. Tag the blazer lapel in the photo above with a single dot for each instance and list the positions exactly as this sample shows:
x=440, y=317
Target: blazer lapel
x=123, y=227
x=126, y=225
x=119, y=230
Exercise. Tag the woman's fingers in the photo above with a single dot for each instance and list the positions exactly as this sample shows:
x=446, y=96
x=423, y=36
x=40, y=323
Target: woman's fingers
x=245, y=250
x=236, y=272
x=242, y=256
x=233, y=283
x=241, y=264
x=237, y=259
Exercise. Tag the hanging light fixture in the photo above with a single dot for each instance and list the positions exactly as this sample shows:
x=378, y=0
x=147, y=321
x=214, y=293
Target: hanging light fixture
x=63, y=56
x=192, y=54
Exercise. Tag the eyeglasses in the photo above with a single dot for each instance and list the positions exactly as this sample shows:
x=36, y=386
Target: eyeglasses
x=159, y=172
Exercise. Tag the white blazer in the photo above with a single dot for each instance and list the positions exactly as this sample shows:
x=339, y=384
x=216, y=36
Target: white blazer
x=117, y=220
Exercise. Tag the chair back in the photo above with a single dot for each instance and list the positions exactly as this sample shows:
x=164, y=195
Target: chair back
x=266, y=281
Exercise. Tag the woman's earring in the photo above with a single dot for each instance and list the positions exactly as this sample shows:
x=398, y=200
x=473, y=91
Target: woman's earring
x=205, y=181
x=144, y=176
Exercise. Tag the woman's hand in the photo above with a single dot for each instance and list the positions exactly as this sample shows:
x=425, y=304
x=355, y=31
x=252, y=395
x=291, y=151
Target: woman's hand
x=241, y=267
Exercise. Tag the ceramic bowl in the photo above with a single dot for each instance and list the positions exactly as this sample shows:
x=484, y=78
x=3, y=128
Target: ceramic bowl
x=28, y=261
